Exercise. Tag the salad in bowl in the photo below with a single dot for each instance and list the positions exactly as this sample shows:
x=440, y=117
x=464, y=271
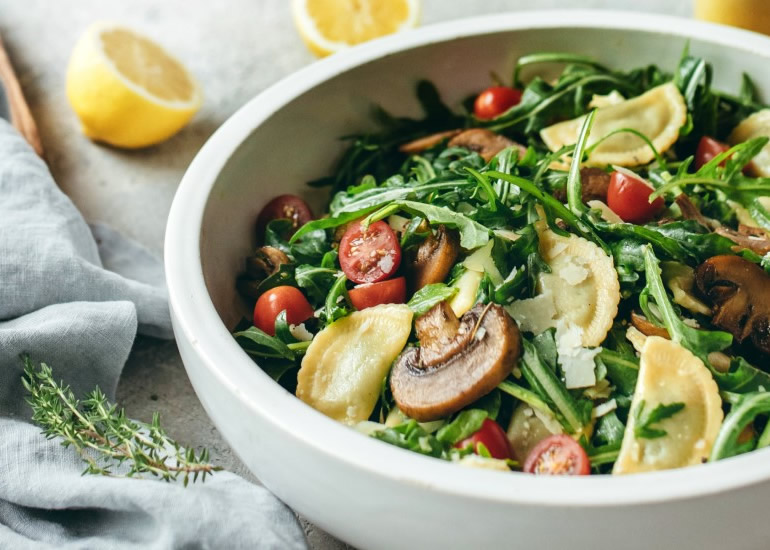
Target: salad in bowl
x=565, y=276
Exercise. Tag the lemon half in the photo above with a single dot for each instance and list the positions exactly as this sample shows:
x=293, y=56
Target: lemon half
x=328, y=26
x=126, y=90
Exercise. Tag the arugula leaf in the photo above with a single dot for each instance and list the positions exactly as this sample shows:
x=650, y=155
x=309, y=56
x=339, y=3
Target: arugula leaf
x=472, y=234
x=643, y=427
x=258, y=343
x=574, y=184
x=741, y=377
x=622, y=370
x=526, y=396
x=329, y=223
x=547, y=385
x=413, y=437
x=553, y=57
x=337, y=303
x=609, y=430
x=315, y=281
x=428, y=296
x=743, y=412
x=551, y=204
x=465, y=424
x=282, y=331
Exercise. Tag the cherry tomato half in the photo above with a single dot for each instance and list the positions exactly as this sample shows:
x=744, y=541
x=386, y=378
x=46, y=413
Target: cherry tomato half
x=392, y=291
x=708, y=148
x=284, y=207
x=492, y=436
x=558, y=455
x=371, y=255
x=629, y=197
x=276, y=300
x=495, y=101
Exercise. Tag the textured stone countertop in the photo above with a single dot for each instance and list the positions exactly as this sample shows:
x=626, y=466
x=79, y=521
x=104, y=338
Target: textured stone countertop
x=235, y=48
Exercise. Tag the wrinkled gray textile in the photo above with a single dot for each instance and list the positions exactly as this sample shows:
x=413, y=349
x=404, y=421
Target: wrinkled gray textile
x=74, y=297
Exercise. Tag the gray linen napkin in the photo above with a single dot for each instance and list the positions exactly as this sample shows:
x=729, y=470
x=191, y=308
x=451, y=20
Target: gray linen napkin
x=74, y=297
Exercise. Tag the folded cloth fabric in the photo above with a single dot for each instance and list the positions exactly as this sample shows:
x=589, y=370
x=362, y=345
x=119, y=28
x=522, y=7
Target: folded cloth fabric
x=74, y=297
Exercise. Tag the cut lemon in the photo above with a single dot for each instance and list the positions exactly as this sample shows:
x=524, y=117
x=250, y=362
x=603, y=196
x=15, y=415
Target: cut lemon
x=668, y=373
x=657, y=114
x=328, y=26
x=126, y=90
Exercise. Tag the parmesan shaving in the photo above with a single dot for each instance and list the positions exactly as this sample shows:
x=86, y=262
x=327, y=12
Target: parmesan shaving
x=576, y=361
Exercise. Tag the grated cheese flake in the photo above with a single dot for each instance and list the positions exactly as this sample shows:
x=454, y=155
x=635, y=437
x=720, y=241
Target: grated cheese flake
x=576, y=361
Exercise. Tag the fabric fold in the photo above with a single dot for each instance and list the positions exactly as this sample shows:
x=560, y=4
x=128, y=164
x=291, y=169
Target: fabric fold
x=74, y=297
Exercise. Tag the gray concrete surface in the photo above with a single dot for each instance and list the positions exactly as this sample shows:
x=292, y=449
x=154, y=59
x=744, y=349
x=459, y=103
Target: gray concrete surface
x=235, y=48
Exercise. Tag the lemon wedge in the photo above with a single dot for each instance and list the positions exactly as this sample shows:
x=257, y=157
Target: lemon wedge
x=343, y=369
x=756, y=125
x=657, y=114
x=669, y=373
x=126, y=90
x=328, y=26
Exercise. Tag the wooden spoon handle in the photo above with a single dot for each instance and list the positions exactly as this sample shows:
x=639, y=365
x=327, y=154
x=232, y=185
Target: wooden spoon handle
x=21, y=117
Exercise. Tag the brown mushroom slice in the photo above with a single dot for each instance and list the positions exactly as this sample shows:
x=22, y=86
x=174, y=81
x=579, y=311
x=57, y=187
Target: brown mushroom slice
x=594, y=185
x=421, y=144
x=484, y=142
x=266, y=261
x=646, y=327
x=488, y=344
x=439, y=334
x=740, y=294
x=434, y=258
x=747, y=238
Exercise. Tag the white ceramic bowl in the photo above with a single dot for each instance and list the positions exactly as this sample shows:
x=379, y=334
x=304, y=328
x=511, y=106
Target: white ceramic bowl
x=363, y=491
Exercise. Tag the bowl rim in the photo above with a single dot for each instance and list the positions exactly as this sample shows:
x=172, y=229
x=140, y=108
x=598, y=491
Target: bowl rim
x=196, y=319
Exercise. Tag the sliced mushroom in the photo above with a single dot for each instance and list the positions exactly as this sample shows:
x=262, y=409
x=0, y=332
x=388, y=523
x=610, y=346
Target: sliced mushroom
x=437, y=332
x=747, y=237
x=266, y=261
x=740, y=294
x=646, y=327
x=434, y=258
x=595, y=183
x=484, y=142
x=484, y=349
x=421, y=144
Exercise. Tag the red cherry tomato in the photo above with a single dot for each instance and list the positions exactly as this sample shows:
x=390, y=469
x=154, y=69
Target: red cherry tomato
x=371, y=255
x=495, y=101
x=288, y=207
x=629, y=197
x=276, y=300
x=558, y=455
x=492, y=436
x=392, y=291
x=708, y=148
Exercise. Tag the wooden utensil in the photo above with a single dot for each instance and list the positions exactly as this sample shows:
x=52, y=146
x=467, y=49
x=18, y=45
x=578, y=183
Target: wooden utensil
x=21, y=117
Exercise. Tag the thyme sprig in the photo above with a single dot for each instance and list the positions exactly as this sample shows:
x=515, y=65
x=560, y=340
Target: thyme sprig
x=102, y=434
